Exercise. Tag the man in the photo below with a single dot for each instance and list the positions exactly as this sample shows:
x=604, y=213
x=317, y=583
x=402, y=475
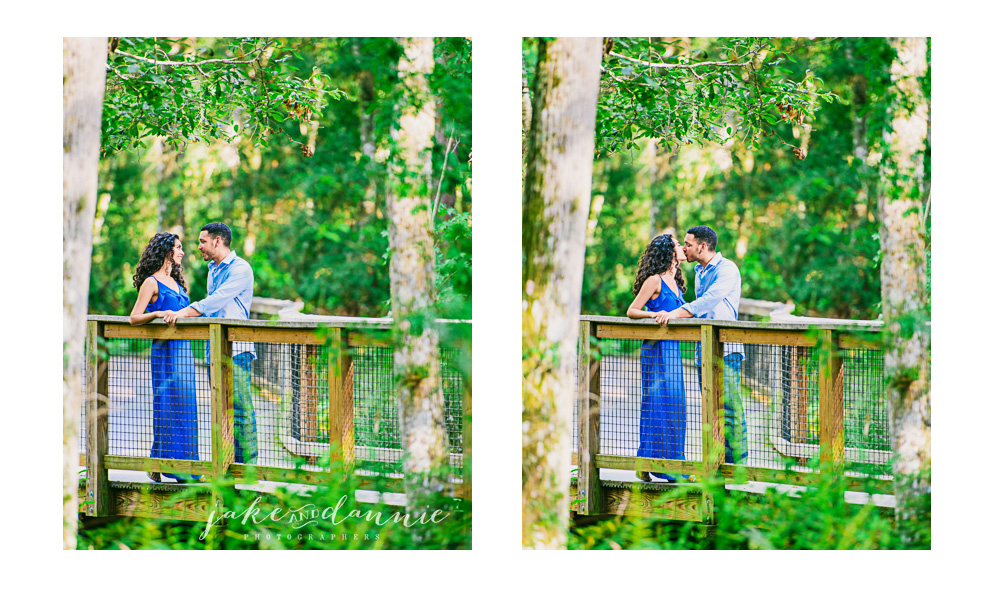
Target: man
x=718, y=286
x=230, y=293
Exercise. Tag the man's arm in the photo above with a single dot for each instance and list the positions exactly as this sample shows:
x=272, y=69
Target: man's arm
x=239, y=279
x=728, y=282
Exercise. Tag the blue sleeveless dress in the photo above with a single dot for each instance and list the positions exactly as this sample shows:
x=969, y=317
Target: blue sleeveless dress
x=663, y=424
x=175, y=405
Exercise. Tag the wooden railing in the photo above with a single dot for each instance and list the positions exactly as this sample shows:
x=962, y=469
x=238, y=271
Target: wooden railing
x=821, y=348
x=341, y=338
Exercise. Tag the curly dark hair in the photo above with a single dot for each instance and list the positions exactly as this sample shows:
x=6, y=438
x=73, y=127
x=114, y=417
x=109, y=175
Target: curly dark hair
x=658, y=258
x=160, y=248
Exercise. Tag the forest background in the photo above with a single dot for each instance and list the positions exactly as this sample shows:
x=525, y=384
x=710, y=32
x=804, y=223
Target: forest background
x=305, y=197
x=797, y=211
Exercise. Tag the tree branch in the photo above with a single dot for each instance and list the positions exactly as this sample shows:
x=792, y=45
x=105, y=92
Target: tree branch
x=196, y=64
x=663, y=65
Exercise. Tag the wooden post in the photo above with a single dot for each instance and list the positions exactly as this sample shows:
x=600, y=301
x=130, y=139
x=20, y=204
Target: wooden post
x=98, y=489
x=712, y=411
x=341, y=393
x=466, y=430
x=588, y=488
x=223, y=446
x=831, y=434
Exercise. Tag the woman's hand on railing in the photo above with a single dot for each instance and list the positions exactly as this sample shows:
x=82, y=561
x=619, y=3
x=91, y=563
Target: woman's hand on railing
x=662, y=317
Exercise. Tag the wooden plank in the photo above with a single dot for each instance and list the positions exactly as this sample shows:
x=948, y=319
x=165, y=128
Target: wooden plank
x=639, y=331
x=153, y=501
x=641, y=501
x=831, y=434
x=113, y=462
x=156, y=331
x=618, y=462
x=312, y=477
x=855, y=342
x=98, y=491
x=268, y=335
x=764, y=337
x=712, y=411
x=804, y=479
x=589, y=425
x=223, y=446
x=357, y=338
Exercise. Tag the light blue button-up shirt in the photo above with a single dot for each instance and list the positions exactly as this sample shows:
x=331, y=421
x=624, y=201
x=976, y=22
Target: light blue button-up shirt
x=718, y=287
x=230, y=294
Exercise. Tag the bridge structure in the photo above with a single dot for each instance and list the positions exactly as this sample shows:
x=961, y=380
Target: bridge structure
x=322, y=391
x=812, y=392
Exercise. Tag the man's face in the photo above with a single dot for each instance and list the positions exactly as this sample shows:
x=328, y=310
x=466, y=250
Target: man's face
x=691, y=249
x=208, y=245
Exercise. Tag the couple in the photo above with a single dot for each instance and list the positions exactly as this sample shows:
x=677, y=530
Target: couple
x=163, y=294
x=658, y=290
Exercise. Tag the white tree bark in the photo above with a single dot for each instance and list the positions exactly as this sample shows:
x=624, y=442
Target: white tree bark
x=411, y=271
x=903, y=289
x=556, y=201
x=83, y=77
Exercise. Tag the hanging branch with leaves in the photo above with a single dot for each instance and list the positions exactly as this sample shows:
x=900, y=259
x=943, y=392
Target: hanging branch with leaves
x=661, y=88
x=180, y=89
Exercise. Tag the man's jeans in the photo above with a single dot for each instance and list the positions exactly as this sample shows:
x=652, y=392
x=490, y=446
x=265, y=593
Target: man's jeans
x=244, y=425
x=735, y=416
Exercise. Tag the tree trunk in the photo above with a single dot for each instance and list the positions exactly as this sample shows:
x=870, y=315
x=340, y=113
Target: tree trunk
x=903, y=292
x=411, y=272
x=83, y=78
x=556, y=199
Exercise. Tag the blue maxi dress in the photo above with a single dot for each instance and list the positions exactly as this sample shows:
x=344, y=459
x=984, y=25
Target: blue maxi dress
x=663, y=424
x=175, y=405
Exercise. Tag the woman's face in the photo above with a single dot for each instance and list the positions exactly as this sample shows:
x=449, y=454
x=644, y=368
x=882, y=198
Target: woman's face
x=680, y=256
x=178, y=252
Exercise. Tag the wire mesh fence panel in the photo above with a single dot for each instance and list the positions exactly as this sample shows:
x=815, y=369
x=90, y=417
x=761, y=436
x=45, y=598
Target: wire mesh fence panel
x=280, y=406
x=759, y=385
x=376, y=414
x=159, y=399
x=452, y=387
x=799, y=435
x=865, y=407
x=87, y=390
x=650, y=400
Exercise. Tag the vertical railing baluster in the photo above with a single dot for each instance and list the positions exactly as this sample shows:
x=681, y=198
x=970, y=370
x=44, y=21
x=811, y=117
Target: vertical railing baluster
x=831, y=421
x=466, y=424
x=98, y=488
x=712, y=412
x=341, y=392
x=588, y=395
x=223, y=447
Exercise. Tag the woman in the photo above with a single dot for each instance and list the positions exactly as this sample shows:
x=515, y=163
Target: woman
x=160, y=281
x=659, y=288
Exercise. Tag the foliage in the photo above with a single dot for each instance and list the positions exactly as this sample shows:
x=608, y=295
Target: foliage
x=734, y=87
x=188, y=89
x=306, y=199
x=796, y=210
x=299, y=525
x=815, y=517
